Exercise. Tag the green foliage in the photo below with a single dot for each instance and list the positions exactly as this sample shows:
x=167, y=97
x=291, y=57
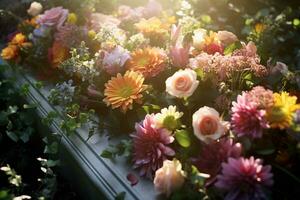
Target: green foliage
x=183, y=138
x=123, y=148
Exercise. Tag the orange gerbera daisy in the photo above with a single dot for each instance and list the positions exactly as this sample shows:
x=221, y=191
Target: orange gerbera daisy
x=152, y=27
x=148, y=61
x=122, y=91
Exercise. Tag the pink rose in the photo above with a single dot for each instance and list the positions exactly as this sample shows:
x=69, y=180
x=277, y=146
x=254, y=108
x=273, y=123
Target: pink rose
x=208, y=125
x=54, y=17
x=169, y=177
x=226, y=37
x=182, y=84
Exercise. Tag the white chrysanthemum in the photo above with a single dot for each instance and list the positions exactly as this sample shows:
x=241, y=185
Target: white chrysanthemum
x=168, y=118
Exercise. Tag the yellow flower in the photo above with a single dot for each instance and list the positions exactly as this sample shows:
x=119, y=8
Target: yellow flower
x=122, y=91
x=19, y=39
x=148, y=61
x=152, y=27
x=92, y=34
x=281, y=114
x=260, y=27
x=72, y=18
x=9, y=52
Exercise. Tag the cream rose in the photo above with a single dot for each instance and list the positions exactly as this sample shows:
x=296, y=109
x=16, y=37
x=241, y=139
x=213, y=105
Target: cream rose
x=35, y=9
x=226, y=37
x=182, y=84
x=208, y=125
x=169, y=177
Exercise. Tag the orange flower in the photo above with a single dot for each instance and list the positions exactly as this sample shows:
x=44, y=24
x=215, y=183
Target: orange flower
x=19, y=39
x=57, y=54
x=153, y=27
x=122, y=91
x=10, y=52
x=148, y=61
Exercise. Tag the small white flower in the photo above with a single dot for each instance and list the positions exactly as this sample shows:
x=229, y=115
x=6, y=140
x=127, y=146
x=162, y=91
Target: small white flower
x=168, y=118
x=35, y=9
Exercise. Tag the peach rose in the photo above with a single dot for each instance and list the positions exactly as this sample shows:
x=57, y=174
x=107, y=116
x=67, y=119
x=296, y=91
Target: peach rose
x=208, y=125
x=35, y=9
x=226, y=37
x=182, y=84
x=169, y=177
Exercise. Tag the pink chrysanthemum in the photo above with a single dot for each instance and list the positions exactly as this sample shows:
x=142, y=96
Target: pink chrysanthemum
x=245, y=179
x=150, y=146
x=214, y=154
x=247, y=119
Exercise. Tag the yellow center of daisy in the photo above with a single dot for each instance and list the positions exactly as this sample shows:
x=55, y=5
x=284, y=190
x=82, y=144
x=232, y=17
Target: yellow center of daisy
x=143, y=61
x=125, y=91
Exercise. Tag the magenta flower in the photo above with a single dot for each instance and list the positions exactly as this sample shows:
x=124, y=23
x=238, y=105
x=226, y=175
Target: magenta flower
x=245, y=179
x=247, y=119
x=150, y=146
x=214, y=154
x=54, y=17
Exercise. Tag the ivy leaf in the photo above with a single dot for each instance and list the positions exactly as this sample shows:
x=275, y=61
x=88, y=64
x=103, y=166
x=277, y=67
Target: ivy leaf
x=107, y=154
x=12, y=136
x=12, y=109
x=51, y=148
x=183, y=138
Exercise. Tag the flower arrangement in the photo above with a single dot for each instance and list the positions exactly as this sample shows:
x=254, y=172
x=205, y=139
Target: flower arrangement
x=196, y=103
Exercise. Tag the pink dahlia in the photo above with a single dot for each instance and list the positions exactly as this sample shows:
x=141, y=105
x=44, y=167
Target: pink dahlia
x=214, y=154
x=150, y=146
x=245, y=179
x=247, y=119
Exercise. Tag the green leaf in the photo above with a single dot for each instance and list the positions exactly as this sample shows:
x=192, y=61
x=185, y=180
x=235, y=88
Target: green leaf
x=51, y=148
x=3, y=118
x=230, y=48
x=38, y=84
x=296, y=22
x=183, y=138
x=29, y=106
x=52, y=163
x=12, y=136
x=120, y=196
x=265, y=151
x=107, y=154
x=12, y=109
